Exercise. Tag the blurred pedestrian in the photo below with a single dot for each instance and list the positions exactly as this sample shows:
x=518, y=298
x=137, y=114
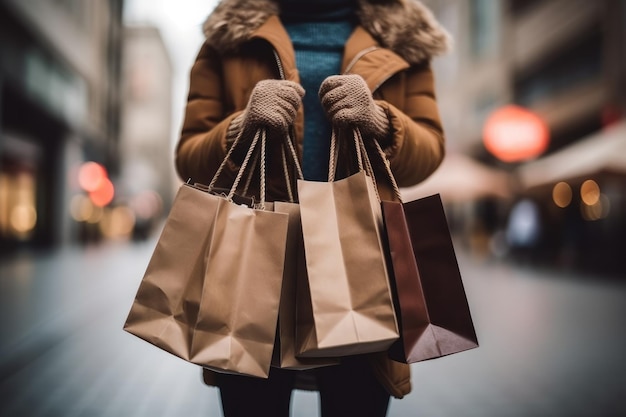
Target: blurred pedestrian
x=362, y=63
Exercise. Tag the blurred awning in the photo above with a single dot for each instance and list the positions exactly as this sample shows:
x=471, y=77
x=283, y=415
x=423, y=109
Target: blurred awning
x=604, y=151
x=461, y=178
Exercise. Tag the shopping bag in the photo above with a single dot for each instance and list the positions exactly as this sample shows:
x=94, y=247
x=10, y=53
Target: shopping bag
x=431, y=305
x=165, y=308
x=235, y=290
x=433, y=310
x=238, y=312
x=350, y=298
x=240, y=298
x=294, y=274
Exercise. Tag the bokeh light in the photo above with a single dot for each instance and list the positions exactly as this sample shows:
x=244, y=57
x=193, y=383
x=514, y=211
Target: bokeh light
x=118, y=222
x=590, y=192
x=23, y=218
x=81, y=208
x=596, y=211
x=147, y=204
x=104, y=194
x=562, y=194
x=91, y=175
x=514, y=134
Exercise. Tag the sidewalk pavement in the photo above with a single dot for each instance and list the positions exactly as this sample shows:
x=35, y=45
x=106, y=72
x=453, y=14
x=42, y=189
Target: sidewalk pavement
x=552, y=345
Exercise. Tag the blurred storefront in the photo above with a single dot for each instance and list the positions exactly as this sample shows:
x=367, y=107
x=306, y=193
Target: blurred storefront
x=147, y=176
x=582, y=188
x=564, y=62
x=59, y=107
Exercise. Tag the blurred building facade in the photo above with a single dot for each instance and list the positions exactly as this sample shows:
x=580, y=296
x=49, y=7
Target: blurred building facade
x=59, y=106
x=146, y=156
x=565, y=61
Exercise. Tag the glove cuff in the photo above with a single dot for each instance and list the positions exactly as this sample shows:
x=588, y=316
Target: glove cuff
x=378, y=125
x=234, y=129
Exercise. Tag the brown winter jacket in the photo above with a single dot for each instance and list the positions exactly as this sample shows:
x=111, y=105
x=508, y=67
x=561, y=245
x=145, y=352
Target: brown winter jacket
x=391, y=49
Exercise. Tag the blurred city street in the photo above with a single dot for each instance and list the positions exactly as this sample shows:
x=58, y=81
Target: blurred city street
x=552, y=344
x=532, y=98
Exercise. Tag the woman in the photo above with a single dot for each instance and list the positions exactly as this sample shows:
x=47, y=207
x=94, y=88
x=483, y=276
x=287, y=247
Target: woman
x=362, y=63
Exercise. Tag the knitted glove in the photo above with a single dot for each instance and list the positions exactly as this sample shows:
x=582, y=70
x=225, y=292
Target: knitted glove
x=273, y=104
x=348, y=102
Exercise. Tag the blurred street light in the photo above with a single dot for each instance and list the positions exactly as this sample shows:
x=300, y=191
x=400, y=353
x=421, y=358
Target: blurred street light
x=514, y=134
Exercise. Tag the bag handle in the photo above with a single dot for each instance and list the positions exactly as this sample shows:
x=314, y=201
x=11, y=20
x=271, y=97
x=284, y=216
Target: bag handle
x=244, y=164
x=259, y=134
x=289, y=148
x=225, y=160
x=368, y=165
x=363, y=160
x=334, y=155
x=383, y=159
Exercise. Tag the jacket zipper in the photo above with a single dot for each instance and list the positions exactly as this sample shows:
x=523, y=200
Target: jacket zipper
x=279, y=64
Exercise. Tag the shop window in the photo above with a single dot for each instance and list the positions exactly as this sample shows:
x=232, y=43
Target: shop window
x=18, y=213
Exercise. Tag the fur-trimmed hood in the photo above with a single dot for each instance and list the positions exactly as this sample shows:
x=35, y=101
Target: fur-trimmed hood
x=405, y=26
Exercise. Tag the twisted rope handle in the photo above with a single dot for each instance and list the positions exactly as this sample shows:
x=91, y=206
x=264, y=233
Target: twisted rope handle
x=332, y=161
x=368, y=164
x=225, y=160
x=245, y=162
x=253, y=167
x=263, y=185
x=334, y=155
x=288, y=146
x=286, y=174
x=257, y=156
x=385, y=161
x=294, y=156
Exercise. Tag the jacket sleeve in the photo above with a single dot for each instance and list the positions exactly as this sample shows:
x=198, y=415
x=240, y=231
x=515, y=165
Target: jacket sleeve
x=202, y=144
x=417, y=146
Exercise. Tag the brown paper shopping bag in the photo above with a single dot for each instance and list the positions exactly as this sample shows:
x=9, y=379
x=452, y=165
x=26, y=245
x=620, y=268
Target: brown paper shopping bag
x=431, y=304
x=351, y=302
x=294, y=274
x=236, y=264
x=166, y=305
x=238, y=313
x=433, y=310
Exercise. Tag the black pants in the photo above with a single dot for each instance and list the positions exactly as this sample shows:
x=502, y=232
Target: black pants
x=349, y=389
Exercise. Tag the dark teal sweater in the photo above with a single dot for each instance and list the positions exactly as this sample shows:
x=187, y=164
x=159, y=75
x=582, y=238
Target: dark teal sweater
x=319, y=46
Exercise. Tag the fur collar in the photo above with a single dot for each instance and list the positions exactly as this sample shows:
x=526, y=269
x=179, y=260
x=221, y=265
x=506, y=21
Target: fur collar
x=405, y=26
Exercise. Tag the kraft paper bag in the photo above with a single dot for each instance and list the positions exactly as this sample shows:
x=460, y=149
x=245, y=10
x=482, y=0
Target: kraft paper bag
x=165, y=308
x=351, y=301
x=212, y=288
x=238, y=314
x=240, y=297
x=432, y=307
x=294, y=276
